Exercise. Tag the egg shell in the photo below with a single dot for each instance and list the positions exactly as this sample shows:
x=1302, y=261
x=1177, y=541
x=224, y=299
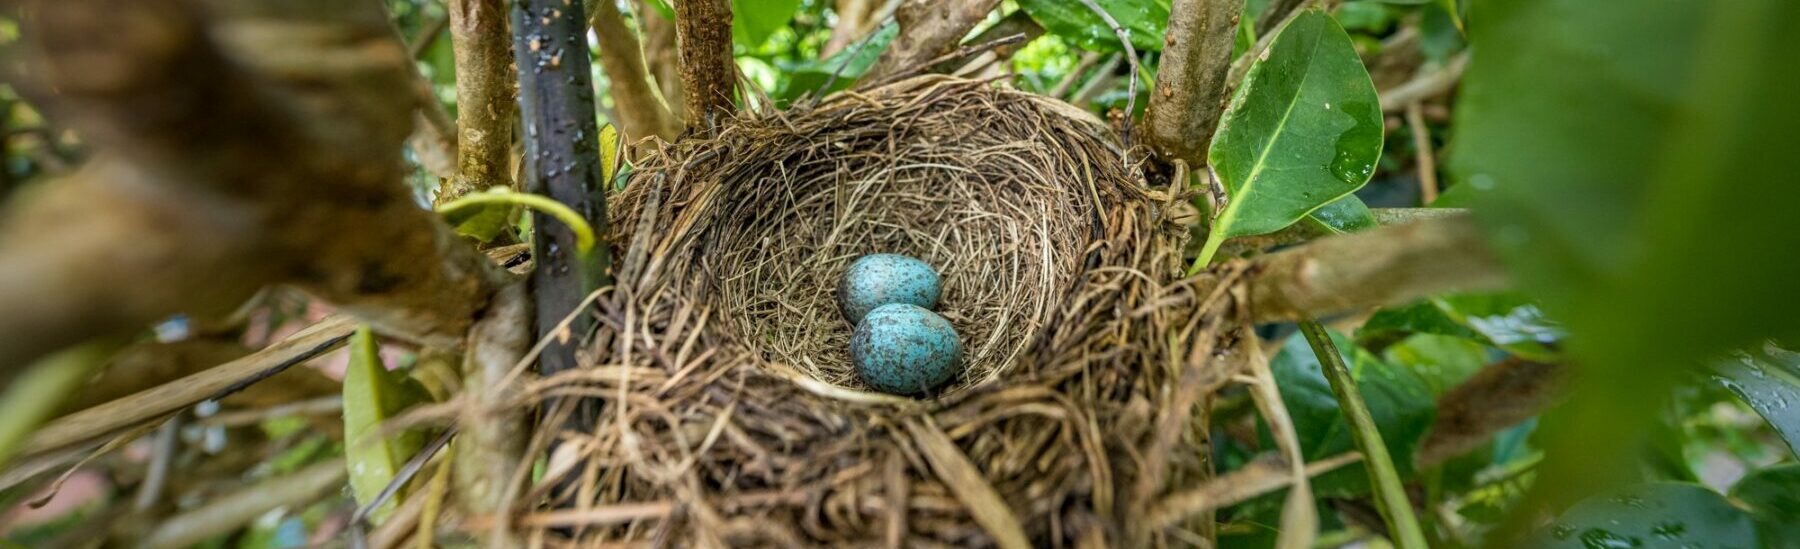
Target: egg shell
x=879, y=279
x=905, y=349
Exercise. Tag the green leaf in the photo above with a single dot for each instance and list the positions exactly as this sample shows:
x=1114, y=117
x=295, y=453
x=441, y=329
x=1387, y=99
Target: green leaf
x=752, y=21
x=1399, y=401
x=1423, y=317
x=1507, y=320
x=1143, y=20
x=1304, y=130
x=1654, y=515
x=372, y=395
x=1768, y=379
x=1344, y=215
x=1773, y=494
x=854, y=60
x=610, y=154
x=663, y=8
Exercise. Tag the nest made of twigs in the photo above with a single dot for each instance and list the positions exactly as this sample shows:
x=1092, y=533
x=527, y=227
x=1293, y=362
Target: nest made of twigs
x=727, y=413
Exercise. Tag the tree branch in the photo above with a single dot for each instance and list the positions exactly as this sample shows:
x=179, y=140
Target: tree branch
x=1191, y=86
x=708, y=72
x=928, y=30
x=1385, y=266
x=1302, y=232
x=1498, y=396
x=484, y=96
x=853, y=19
x=641, y=113
x=222, y=172
x=662, y=57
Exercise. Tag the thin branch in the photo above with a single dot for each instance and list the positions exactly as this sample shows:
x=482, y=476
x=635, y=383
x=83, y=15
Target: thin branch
x=662, y=58
x=1426, y=157
x=1068, y=81
x=853, y=18
x=1132, y=83
x=928, y=30
x=1191, y=88
x=1390, y=495
x=1006, y=37
x=227, y=513
x=641, y=112
x=484, y=97
x=708, y=71
x=491, y=448
x=1497, y=397
x=1426, y=85
x=215, y=383
x=1384, y=266
x=1256, y=478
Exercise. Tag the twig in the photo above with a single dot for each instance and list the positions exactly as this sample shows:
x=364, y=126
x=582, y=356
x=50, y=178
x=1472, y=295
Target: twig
x=1390, y=494
x=1425, y=85
x=928, y=30
x=1427, y=159
x=1087, y=61
x=231, y=511
x=484, y=98
x=1254, y=479
x=162, y=459
x=239, y=418
x=1131, y=86
x=1299, y=521
x=211, y=384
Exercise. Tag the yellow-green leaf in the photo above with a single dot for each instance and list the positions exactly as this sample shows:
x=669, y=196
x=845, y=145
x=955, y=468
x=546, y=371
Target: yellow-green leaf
x=610, y=153
x=372, y=395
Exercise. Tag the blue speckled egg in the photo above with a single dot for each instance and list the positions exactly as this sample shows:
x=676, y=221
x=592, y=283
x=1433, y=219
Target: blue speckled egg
x=905, y=349
x=879, y=279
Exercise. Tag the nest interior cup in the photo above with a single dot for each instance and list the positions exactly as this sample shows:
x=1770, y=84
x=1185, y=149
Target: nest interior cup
x=978, y=188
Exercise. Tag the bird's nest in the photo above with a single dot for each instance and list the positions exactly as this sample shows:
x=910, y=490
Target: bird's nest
x=728, y=412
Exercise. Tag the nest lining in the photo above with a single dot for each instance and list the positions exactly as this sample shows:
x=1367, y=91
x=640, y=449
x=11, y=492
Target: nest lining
x=968, y=186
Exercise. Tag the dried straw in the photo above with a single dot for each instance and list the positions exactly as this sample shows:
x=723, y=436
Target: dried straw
x=728, y=416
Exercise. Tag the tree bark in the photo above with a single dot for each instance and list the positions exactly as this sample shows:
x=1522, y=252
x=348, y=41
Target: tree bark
x=217, y=174
x=641, y=114
x=1384, y=266
x=708, y=71
x=484, y=97
x=556, y=102
x=1190, y=89
x=928, y=29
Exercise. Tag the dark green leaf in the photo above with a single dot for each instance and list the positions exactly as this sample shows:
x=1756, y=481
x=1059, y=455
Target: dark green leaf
x=1303, y=131
x=1365, y=16
x=1655, y=515
x=1774, y=498
x=1143, y=21
x=372, y=395
x=1399, y=401
x=1508, y=320
x=1768, y=380
x=752, y=21
x=482, y=222
x=1423, y=317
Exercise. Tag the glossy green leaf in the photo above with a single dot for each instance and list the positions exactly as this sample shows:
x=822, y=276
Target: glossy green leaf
x=1399, y=401
x=752, y=21
x=1344, y=215
x=1507, y=320
x=1637, y=180
x=1655, y=515
x=1304, y=130
x=372, y=395
x=1143, y=20
x=1768, y=379
x=1773, y=495
x=849, y=65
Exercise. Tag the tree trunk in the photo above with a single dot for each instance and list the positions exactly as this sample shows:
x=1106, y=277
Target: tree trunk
x=708, y=71
x=484, y=97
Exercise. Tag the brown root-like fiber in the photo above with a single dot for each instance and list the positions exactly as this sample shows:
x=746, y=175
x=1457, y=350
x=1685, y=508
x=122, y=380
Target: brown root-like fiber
x=729, y=414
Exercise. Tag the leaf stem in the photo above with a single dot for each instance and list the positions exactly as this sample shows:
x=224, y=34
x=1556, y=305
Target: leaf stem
x=1390, y=494
x=584, y=234
x=1213, y=239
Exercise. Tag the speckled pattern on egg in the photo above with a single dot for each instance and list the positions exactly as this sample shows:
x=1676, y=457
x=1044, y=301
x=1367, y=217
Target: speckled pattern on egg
x=905, y=349
x=879, y=279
